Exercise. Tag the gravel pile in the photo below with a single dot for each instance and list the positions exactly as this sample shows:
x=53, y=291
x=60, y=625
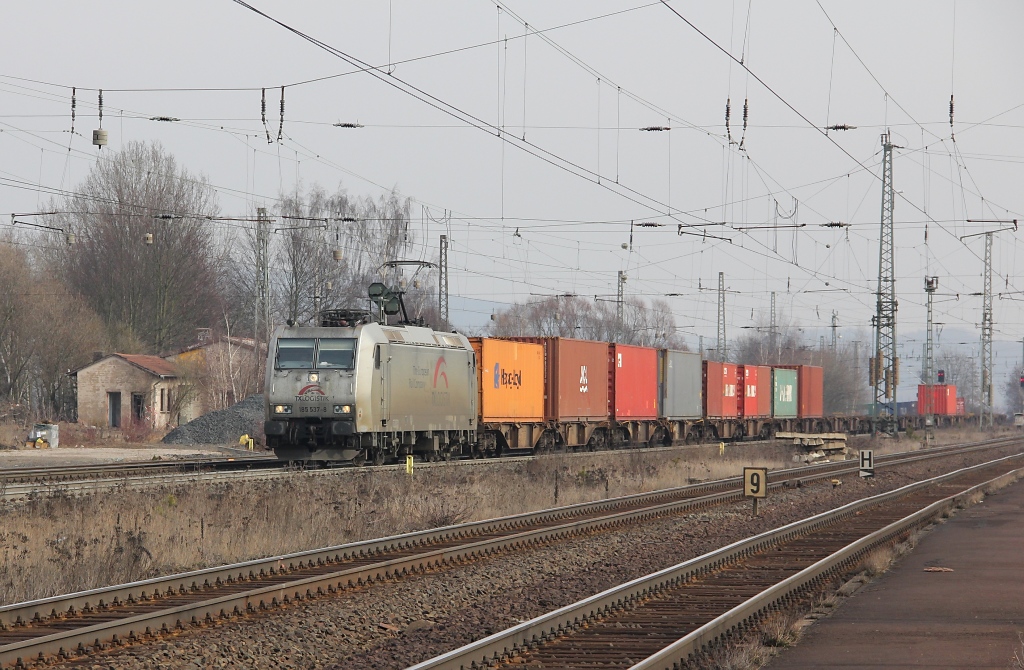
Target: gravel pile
x=222, y=426
x=399, y=623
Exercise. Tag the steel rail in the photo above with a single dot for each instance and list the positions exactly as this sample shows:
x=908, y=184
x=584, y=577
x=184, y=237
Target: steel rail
x=504, y=645
x=18, y=483
x=49, y=473
x=275, y=570
x=41, y=609
x=777, y=596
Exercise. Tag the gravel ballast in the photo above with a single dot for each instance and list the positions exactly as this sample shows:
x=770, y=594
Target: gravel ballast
x=221, y=427
x=397, y=624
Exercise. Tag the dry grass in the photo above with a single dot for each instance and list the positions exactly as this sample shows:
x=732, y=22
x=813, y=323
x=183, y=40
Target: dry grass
x=1017, y=660
x=62, y=544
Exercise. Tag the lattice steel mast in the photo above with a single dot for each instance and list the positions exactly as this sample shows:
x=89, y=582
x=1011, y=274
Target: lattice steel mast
x=986, y=337
x=262, y=328
x=723, y=348
x=442, y=288
x=986, y=317
x=620, y=297
x=885, y=365
x=928, y=371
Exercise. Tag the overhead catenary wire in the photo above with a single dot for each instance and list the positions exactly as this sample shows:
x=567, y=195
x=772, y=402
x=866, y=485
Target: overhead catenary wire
x=741, y=199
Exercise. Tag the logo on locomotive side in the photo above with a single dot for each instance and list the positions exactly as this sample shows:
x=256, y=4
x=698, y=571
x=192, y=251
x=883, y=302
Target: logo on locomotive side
x=509, y=378
x=310, y=390
x=583, y=379
x=439, y=372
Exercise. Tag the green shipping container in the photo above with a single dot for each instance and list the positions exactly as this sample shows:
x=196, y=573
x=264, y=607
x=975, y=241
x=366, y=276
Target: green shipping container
x=784, y=393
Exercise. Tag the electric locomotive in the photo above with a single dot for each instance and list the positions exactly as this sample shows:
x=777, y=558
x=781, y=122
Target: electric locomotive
x=355, y=390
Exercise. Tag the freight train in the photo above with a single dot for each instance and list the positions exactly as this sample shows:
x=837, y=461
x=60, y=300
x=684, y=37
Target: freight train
x=361, y=391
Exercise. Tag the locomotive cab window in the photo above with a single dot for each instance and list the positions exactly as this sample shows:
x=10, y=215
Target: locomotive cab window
x=295, y=353
x=336, y=353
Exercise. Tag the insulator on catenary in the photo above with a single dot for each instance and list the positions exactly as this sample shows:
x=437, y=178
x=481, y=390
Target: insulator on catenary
x=746, y=111
x=73, y=103
x=263, y=115
x=280, y=128
x=951, y=115
x=728, y=111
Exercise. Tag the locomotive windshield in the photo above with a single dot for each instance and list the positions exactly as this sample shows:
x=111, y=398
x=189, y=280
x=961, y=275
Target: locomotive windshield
x=333, y=353
x=295, y=353
x=336, y=352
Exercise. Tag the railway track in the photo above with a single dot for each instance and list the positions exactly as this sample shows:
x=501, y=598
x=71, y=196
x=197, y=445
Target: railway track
x=69, y=473
x=20, y=483
x=665, y=620
x=76, y=624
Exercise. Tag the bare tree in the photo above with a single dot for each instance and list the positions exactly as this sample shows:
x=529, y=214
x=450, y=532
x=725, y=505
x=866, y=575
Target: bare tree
x=962, y=371
x=368, y=233
x=45, y=331
x=573, y=316
x=1013, y=392
x=17, y=344
x=144, y=257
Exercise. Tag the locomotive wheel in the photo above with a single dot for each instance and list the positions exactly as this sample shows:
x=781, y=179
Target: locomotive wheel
x=360, y=459
x=378, y=457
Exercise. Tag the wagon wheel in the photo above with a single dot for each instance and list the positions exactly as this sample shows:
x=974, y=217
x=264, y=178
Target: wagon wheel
x=766, y=432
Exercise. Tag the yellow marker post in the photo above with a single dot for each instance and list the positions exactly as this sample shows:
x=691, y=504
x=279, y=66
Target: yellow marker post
x=409, y=464
x=721, y=448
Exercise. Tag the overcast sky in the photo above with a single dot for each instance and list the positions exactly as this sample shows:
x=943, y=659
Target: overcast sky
x=530, y=219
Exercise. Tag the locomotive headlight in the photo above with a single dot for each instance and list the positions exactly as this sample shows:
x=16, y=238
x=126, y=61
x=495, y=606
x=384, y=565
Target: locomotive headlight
x=282, y=409
x=314, y=377
x=343, y=409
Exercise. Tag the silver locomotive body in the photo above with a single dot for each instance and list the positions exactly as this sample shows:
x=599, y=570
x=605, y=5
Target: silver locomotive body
x=369, y=392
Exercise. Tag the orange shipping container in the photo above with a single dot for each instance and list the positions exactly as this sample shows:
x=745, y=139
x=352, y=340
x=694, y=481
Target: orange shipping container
x=510, y=377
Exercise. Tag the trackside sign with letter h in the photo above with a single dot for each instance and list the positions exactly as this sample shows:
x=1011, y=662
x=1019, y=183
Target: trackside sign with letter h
x=867, y=463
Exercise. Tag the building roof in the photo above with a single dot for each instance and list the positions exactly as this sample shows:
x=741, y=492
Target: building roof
x=154, y=365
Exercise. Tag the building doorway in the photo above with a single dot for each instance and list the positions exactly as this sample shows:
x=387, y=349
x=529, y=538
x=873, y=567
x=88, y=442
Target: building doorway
x=114, y=409
x=138, y=407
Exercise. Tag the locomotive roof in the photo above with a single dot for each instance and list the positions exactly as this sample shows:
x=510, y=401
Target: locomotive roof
x=396, y=334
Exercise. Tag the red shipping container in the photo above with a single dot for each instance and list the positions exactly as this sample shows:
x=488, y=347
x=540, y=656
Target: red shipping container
x=720, y=401
x=941, y=402
x=575, y=385
x=754, y=391
x=925, y=404
x=632, y=382
x=945, y=399
x=810, y=390
x=961, y=406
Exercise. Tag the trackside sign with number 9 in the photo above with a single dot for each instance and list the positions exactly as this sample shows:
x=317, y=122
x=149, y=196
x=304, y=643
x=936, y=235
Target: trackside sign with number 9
x=755, y=482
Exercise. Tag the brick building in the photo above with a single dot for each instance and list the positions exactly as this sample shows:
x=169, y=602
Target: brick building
x=120, y=389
